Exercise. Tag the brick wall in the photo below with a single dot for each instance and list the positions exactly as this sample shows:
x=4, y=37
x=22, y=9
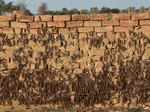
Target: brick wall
x=81, y=23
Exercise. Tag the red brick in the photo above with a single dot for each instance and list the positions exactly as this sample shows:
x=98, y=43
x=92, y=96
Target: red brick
x=37, y=24
x=63, y=30
x=145, y=28
x=110, y=22
x=56, y=24
x=127, y=23
x=83, y=17
x=85, y=29
x=62, y=18
x=141, y=16
x=25, y=19
x=19, y=25
x=80, y=17
x=43, y=18
x=4, y=24
x=144, y=22
x=92, y=23
x=7, y=30
x=104, y=29
x=99, y=17
x=7, y=18
x=75, y=24
x=121, y=16
x=121, y=29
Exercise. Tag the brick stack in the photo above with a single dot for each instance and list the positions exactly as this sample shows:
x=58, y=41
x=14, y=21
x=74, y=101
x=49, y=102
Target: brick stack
x=82, y=23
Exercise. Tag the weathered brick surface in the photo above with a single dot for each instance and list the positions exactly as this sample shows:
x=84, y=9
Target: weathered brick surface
x=145, y=22
x=83, y=17
x=43, y=18
x=25, y=19
x=121, y=16
x=92, y=23
x=18, y=25
x=141, y=16
x=104, y=29
x=74, y=24
x=83, y=23
x=122, y=29
x=62, y=18
x=37, y=24
x=56, y=24
x=7, y=30
x=7, y=18
x=85, y=29
x=4, y=24
x=110, y=22
x=127, y=23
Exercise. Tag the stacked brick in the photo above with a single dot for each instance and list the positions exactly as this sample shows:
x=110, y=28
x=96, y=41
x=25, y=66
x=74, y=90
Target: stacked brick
x=82, y=23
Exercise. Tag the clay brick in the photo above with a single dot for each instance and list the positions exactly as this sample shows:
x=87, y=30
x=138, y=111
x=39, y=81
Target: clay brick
x=75, y=24
x=63, y=30
x=144, y=22
x=127, y=23
x=43, y=18
x=121, y=29
x=7, y=30
x=84, y=17
x=85, y=29
x=37, y=24
x=99, y=17
x=92, y=23
x=121, y=16
x=62, y=18
x=80, y=17
x=145, y=28
x=141, y=16
x=25, y=19
x=4, y=24
x=110, y=22
x=56, y=24
x=7, y=18
x=104, y=29
x=19, y=25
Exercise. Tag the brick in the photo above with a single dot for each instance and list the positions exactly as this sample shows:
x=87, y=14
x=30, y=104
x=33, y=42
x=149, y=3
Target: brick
x=80, y=17
x=7, y=30
x=4, y=24
x=121, y=16
x=25, y=19
x=74, y=24
x=64, y=30
x=99, y=17
x=7, y=18
x=85, y=29
x=19, y=25
x=121, y=29
x=110, y=22
x=145, y=22
x=92, y=23
x=62, y=18
x=145, y=28
x=56, y=24
x=43, y=18
x=104, y=29
x=84, y=17
x=127, y=23
x=37, y=24
x=141, y=16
